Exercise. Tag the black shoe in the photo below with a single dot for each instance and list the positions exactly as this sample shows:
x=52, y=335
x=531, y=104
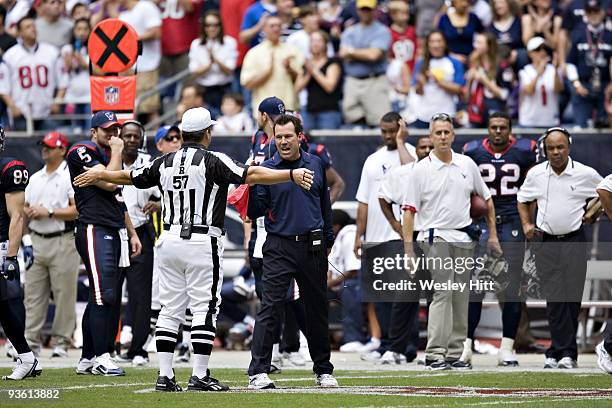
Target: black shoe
x=166, y=384
x=437, y=365
x=459, y=365
x=205, y=384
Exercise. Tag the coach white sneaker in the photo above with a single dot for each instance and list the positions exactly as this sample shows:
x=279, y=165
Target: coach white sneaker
x=371, y=345
x=10, y=350
x=391, y=357
x=604, y=361
x=567, y=362
x=372, y=356
x=351, y=347
x=260, y=382
x=550, y=363
x=326, y=380
x=85, y=366
x=103, y=365
x=505, y=355
x=293, y=359
x=23, y=370
x=140, y=361
x=466, y=355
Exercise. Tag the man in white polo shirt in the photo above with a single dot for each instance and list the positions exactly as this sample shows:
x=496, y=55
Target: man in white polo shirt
x=439, y=190
x=604, y=349
x=561, y=188
x=372, y=225
x=50, y=208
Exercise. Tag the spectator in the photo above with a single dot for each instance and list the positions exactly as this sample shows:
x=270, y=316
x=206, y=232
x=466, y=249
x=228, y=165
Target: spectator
x=51, y=211
x=540, y=85
x=233, y=119
x=51, y=25
x=487, y=91
x=6, y=40
x=271, y=68
x=212, y=59
x=364, y=48
x=321, y=78
x=284, y=10
x=309, y=19
x=483, y=11
x=145, y=18
x=437, y=81
x=590, y=54
x=34, y=77
x=541, y=20
x=16, y=10
x=232, y=12
x=507, y=29
x=103, y=9
x=179, y=27
x=426, y=11
x=403, y=55
x=75, y=59
x=79, y=10
x=459, y=25
x=329, y=11
x=192, y=96
x=254, y=22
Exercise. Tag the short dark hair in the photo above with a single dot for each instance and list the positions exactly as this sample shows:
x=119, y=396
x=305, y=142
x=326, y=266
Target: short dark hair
x=199, y=89
x=421, y=138
x=237, y=97
x=194, y=137
x=391, y=117
x=341, y=218
x=29, y=16
x=286, y=119
x=2, y=12
x=501, y=115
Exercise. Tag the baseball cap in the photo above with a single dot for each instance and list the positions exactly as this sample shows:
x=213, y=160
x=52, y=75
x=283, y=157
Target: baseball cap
x=104, y=119
x=535, y=43
x=54, y=139
x=593, y=5
x=163, y=132
x=196, y=119
x=371, y=4
x=273, y=106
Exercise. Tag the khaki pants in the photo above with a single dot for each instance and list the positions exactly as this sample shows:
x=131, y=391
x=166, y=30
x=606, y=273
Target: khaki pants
x=447, y=324
x=55, y=270
x=366, y=98
x=145, y=81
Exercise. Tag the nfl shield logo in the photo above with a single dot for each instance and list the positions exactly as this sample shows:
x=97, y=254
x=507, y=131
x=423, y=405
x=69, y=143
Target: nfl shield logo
x=111, y=95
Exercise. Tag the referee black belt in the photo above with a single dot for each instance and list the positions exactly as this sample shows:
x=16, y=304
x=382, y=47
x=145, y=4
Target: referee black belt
x=563, y=237
x=53, y=234
x=196, y=229
x=293, y=238
x=369, y=76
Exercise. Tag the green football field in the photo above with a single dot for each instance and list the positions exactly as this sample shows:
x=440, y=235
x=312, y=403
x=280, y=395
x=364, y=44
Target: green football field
x=372, y=388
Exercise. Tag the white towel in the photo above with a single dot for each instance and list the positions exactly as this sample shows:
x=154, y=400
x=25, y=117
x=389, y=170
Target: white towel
x=124, y=261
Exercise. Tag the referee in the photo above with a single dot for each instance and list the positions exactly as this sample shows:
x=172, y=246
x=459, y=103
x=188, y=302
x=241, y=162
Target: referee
x=193, y=182
x=299, y=227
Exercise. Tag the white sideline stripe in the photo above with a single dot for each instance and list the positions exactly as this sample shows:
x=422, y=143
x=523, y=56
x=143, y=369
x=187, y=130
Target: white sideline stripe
x=92, y=263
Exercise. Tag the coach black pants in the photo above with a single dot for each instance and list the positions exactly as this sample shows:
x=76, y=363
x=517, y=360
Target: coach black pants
x=561, y=266
x=284, y=260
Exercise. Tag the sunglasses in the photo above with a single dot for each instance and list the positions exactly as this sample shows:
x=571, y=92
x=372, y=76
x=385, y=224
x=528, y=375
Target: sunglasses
x=212, y=25
x=172, y=138
x=540, y=48
x=441, y=116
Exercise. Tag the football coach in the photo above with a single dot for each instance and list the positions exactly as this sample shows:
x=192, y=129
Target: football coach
x=299, y=226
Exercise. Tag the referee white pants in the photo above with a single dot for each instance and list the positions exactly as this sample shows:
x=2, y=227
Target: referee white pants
x=190, y=274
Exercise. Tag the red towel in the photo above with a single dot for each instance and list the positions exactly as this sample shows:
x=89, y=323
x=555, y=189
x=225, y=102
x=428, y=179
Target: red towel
x=239, y=198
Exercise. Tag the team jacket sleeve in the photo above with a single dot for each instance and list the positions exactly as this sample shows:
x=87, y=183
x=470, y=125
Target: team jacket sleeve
x=225, y=170
x=326, y=211
x=14, y=176
x=147, y=176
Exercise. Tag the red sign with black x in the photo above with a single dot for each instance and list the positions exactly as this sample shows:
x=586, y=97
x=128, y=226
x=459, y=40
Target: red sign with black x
x=113, y=46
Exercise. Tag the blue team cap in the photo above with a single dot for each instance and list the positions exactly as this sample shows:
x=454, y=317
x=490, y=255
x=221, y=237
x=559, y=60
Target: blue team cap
x=273, y=106
x=163, y=132
x=104, y=119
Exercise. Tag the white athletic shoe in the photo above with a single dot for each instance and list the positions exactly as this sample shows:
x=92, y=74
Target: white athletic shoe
x=326, y=380
x=10, y=351
x=304, y=351
x=59, y=351
x=104, y=365
x=391, y=357
x=372, y=356
x=567, y=362
x=85, y=366
x=550, y=363
x=466, y=355
x=371, y=345
x=23, y=370
x=506, y=358
x=351, y=347
x=293, y=359
x=140, y=361
x=260, y=382
x=604, y=361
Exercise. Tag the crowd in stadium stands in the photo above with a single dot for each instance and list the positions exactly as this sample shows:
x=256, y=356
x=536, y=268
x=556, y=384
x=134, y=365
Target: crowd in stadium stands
x=339, y=63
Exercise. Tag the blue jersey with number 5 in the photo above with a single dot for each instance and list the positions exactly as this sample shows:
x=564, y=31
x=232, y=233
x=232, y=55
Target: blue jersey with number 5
x=503, y=172
x=95, y=205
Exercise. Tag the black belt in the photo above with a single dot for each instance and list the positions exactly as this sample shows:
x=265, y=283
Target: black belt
x=563, y=236
x=368, y=76
x=52, y=234
x=196, y=229
x=504, y=219
x=293, y=238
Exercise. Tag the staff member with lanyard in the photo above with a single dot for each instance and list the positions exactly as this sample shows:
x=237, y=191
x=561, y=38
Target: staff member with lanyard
x=299, y=227
x=561, y=188
x=604, y=349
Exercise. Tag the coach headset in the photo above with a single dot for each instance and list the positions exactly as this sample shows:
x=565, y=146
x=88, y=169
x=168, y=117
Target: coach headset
x=143, y=134
x=542, y=139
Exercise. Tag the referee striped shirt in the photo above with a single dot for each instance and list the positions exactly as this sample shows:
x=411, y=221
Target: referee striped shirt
x=193, y=182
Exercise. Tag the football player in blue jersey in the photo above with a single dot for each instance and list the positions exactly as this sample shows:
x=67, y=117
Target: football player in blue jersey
x=503, y=162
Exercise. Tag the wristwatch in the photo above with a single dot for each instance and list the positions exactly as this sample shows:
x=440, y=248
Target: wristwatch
x=51, y=212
